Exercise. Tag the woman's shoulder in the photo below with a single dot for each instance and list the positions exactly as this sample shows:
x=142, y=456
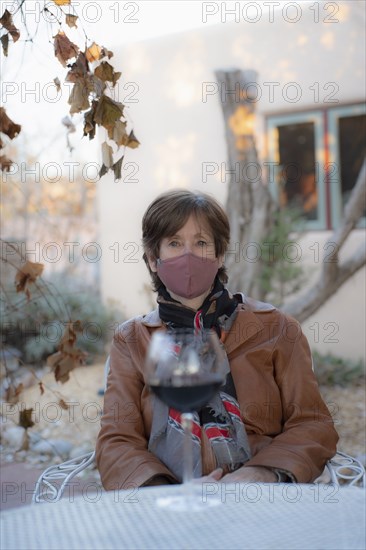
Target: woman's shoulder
x=130, y=326
x=250, y=304
x=264, y=311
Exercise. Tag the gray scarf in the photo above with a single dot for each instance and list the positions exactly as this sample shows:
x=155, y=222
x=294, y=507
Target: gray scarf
x=221, y=421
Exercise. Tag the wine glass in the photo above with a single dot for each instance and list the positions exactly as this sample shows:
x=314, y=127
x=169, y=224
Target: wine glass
x=185, y=368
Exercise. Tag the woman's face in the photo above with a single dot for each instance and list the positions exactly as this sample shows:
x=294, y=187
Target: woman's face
x=193, y=237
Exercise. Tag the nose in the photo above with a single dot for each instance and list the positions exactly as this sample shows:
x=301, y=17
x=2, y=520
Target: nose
x=187, y=248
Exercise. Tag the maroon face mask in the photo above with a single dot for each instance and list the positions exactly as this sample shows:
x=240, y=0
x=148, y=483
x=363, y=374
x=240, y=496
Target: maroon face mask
x=187, y=275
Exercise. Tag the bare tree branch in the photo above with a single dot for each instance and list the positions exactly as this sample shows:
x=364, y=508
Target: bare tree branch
x=353, y=209
x=314, y=298
x=333, y=274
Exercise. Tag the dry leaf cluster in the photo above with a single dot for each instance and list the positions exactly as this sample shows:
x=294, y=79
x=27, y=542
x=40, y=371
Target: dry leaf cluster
x=6, y=21
x=68, y=355
x=10, y=129
x=27, y=275
x=90, y=72
x=7, y=126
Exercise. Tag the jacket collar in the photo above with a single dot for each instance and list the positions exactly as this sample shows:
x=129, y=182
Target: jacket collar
x=152, y=319
x=246, y=325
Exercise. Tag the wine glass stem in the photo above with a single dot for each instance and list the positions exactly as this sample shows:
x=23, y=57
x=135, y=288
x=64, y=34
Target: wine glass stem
x=187, y=421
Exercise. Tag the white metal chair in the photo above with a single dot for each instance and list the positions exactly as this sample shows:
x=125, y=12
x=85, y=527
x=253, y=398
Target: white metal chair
x=52, y=482
x=341, y=470
x=47, y=487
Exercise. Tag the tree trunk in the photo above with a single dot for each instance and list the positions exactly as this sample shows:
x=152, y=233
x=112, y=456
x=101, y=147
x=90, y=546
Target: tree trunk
x=249, y=203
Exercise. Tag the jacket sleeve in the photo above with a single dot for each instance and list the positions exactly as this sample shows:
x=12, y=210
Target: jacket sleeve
x=308, y=438
x=122, y=456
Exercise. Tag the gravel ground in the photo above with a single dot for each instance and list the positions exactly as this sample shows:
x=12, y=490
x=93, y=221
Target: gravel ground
x=348, y=408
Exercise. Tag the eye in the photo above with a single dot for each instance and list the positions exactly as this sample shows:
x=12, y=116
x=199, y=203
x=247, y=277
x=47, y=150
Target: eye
x=202, y=243
x=173, y=243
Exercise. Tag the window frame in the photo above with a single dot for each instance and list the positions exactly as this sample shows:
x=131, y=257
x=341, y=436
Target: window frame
x=319, y=135
x=327, y=154
x=333, y=116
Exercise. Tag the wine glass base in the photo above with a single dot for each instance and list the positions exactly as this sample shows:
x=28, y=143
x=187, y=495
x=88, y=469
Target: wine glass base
x=183, y=503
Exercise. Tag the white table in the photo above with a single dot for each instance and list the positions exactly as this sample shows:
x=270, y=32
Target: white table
x=251, y=516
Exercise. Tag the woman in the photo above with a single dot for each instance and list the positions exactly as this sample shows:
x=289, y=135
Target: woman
x=286, y=431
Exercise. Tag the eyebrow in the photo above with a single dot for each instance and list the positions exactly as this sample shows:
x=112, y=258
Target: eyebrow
x=200, y=234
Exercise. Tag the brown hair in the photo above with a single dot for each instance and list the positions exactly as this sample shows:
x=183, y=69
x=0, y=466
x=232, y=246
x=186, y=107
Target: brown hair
x=169, y=212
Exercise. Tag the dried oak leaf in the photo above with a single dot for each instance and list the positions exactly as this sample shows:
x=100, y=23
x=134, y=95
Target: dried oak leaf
x=12, y=393
x=5, y=163
x=94, y=53
x=95, y=85
x=7, y=126
x=25, y=418
x=26, y=275
x=68, y=357
x=103, y=171
x=89, y=122
x=63, y=404
x=107, y=155
x=71, y=20
x=79, y=98
x=5, y=43
x=64, y=48
x=57, y=83
x=106, y=53
x=117, y=168
x=132, y=141
x=6, y=21
x=41, y=387
x=79, y=69
x=118, y=133
x=62, y=2
x=63, y=363
x=107, y=112
x=105, y=72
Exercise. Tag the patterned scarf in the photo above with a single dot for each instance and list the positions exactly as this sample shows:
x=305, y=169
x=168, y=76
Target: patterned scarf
x=220, y=418
x=214, y=312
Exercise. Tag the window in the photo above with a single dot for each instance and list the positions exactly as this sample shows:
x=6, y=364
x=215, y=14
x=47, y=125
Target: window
x=347, y=152
x=317, y=157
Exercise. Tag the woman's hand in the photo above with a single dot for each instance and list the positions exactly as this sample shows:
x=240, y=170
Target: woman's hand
x=247, y=474
x=215, y=475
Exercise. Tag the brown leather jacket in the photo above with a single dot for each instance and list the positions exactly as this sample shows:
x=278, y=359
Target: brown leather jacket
x=288, y=425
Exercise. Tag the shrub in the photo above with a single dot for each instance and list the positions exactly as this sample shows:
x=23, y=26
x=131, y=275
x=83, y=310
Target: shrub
x=35, y=326
x=332, y=371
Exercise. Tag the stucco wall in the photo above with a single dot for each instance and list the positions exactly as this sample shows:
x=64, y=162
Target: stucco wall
x=177, y=117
